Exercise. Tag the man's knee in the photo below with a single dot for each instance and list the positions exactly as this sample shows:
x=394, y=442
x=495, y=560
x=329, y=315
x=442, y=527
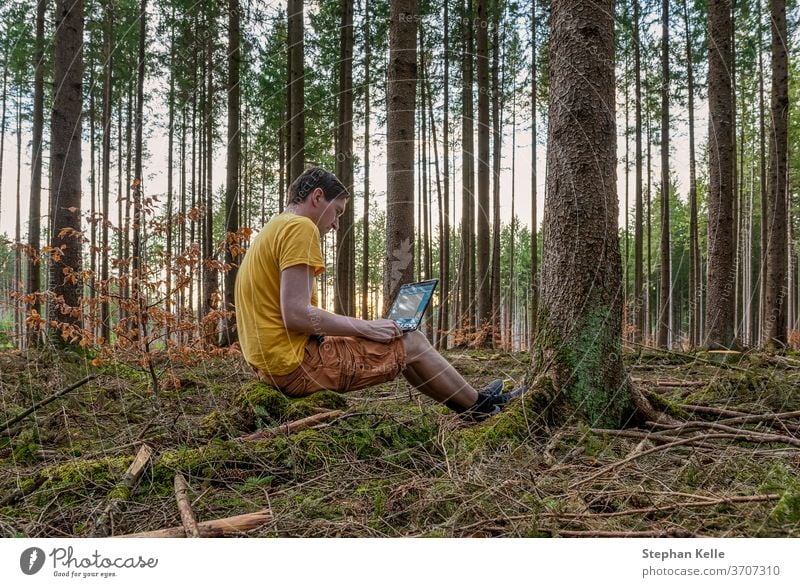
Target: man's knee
x=415, y=343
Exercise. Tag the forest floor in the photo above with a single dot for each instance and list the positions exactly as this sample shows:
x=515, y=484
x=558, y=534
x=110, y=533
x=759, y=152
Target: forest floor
x=394, y=464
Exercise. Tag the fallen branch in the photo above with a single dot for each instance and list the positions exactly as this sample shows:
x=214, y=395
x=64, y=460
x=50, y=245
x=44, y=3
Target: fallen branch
x=664, y=508
x=734, y=417
x=668, y=383
x=292, y=427
x=184, y=507
x=750, y=435
x=672, y=533
x=680, y=442
x=5, y=425
x=121, y=492
x=211, y=528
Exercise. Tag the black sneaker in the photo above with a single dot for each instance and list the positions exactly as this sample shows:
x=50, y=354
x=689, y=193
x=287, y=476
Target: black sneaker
x=491, y=401
x=494, y=388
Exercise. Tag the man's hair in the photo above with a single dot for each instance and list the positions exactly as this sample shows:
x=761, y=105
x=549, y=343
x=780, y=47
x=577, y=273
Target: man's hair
x=313, y=178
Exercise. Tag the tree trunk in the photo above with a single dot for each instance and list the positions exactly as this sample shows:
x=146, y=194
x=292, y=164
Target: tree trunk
x=444, y=237
x=483, y=244
x=365, y=221
x=497, y=89
x=721, y=268
x=638, y=253
x=345, y=298
x=400, y=101
x=665, y=283
x=466, y=276
x=210, y=275
x=774, y=331
x=297, y=136
x=580, y=320
x=534, y=292
x=137, y=268
x=232, y=245
x=694, y=241
x=170, y=197
x=65, y=165
x=35, y=211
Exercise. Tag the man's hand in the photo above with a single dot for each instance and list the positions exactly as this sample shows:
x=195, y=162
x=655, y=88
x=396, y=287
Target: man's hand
x=382, y=331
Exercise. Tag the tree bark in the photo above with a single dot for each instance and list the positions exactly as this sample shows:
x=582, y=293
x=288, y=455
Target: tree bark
x=365, y=220
x=534, y=293
x=665, y=282
x=65, y=165
x=638, y=253
x=401, y=101
x=694, y=241
x=297, y=136
x=774, y=331
x=35, y=211
x=232, y=173
x=466, y=276
x=580, y=320
x=484, y=128
x=345, y=298
x=720, y=304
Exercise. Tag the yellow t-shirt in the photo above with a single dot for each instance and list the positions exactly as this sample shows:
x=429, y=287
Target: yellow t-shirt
x=285, y=241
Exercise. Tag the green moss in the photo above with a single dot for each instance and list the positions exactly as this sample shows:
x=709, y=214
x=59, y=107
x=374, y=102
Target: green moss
x=215, y=424
x=662, y=404
x=260, y=405
x=26, y=447
x=308, y=406
x=581, y=363
x=784, y=480
x=518, y=422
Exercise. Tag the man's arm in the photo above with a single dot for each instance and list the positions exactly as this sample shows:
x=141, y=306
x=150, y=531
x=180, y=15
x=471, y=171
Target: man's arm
x=299, y=315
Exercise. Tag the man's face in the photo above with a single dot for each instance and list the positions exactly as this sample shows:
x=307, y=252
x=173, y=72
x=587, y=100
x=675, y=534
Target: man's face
x=329, y=218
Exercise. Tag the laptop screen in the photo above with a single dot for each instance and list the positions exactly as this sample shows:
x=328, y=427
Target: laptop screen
x=410, y=303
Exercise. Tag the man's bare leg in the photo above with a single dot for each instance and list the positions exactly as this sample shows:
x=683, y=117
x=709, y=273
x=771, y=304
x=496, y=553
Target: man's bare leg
x=433, y=375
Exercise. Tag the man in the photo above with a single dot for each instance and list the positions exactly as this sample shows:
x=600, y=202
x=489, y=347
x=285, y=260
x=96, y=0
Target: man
x=300, y=348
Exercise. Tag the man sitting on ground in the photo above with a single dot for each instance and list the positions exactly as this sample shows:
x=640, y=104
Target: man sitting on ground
x=300, y=348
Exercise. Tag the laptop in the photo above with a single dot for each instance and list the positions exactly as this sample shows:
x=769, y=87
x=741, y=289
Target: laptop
x=410, y=304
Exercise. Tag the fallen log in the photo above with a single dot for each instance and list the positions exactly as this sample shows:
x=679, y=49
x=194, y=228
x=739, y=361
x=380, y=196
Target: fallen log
x=211, y=528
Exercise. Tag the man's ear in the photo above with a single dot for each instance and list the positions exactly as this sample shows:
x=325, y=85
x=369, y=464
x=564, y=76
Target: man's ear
x=318, y=194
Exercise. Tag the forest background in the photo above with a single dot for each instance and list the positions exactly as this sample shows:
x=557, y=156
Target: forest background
x=143, y=143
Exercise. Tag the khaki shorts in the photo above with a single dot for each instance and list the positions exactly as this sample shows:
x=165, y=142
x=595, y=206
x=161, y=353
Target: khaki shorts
x=341, y=363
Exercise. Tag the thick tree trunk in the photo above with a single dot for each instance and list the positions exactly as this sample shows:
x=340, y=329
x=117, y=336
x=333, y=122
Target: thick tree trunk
x=345, y=298
x=35, y=210
x=232, y=173
x=721, y=263
x=65, y=165
x=774, y=332
x=400, y=104
x=580, y=319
